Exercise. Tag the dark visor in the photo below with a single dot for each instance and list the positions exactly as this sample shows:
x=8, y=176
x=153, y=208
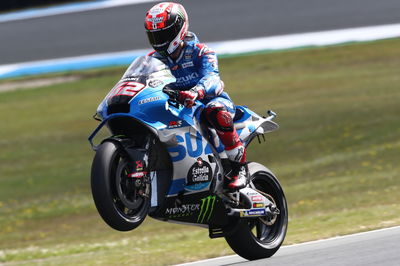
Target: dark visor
x=161, y=38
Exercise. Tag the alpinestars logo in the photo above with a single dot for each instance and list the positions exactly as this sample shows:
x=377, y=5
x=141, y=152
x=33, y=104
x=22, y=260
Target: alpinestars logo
x=206, y=209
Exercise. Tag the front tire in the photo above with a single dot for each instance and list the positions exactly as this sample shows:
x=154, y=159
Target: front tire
x=258, y=238
x=116, y=198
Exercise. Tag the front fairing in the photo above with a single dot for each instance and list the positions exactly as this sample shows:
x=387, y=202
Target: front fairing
x=139, y=93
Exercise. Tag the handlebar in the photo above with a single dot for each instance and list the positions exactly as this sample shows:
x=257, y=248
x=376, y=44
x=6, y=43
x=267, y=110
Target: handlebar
x=173, y=96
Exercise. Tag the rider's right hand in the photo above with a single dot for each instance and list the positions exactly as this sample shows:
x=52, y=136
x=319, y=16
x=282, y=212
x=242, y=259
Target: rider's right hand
x=187, y=98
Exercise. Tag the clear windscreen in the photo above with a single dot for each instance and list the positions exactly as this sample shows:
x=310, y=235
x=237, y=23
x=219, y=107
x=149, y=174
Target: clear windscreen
x=146, y=66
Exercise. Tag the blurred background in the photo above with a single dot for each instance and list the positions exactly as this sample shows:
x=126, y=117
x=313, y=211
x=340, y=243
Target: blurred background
x=11, y=5
x=336, y=153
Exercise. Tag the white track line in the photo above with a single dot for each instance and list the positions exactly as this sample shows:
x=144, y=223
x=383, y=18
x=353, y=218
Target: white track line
x=223, y=48
x=320, y=38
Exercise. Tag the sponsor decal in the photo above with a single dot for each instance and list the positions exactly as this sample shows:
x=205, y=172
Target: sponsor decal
x=130, y=79
x=174, y=67
x=187, y=78
x=137, y=174
x=258, y=205
x=175, y=124
x=190, y=146
x=139, y=166
x=183, y=210
x=148, y=100
x=206, y=209
x=188, y=53
x=200, y=172
x=155, y=83
x=239, y=154
x=256, y=198
x=254, y=212
x=129, y=88
x=155, y=11
x=155, y=19
x=187, y=64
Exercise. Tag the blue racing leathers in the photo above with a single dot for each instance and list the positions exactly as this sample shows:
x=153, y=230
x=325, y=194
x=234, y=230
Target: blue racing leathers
x=197, y=65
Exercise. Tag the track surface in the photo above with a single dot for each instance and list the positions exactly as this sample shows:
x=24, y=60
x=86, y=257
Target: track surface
x=380, y=247
x=121, y=28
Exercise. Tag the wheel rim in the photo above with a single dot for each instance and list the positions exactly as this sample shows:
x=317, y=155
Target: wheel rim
x=262, y=232
x=126, y=198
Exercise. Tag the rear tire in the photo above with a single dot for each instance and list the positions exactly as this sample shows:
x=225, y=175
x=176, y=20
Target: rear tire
x=255, y=238
x=114, y=195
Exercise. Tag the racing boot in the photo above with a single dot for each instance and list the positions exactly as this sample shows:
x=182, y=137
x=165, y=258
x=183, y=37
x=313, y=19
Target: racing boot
x=237, y=178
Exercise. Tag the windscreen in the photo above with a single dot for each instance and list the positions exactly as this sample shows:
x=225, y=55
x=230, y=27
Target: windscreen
x=145, y=66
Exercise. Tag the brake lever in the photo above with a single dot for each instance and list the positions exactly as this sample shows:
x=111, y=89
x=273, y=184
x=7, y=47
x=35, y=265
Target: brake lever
x=173, y=96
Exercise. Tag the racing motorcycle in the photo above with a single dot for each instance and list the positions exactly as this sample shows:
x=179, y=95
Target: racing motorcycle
x=162, y=160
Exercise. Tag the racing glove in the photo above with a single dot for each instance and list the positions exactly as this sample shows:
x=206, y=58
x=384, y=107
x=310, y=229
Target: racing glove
x=187, y=98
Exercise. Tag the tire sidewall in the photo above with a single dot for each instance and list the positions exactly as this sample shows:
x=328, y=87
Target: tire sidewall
x=242, y=241
x=102, y=183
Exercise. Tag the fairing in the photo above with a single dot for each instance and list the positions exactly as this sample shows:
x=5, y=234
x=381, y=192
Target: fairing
x=197, y=170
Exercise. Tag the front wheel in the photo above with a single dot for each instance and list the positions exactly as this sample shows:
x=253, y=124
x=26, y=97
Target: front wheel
x=120, y=201
x=257, y=238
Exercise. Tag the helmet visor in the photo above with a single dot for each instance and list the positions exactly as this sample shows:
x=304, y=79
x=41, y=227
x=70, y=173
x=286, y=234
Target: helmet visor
x=161, y=38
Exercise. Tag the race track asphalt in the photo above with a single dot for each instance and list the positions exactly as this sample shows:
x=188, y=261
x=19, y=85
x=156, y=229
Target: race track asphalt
x=374, y=248
x=121, y=28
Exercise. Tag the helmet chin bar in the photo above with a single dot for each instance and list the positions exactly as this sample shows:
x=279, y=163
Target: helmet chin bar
x=178, y=39
x=173, y=45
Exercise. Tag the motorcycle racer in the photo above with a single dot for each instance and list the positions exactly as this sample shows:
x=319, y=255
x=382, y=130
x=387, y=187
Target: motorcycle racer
x=195, y=67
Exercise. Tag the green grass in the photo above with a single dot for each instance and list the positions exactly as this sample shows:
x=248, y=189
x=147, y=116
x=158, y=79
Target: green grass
x=337, y=155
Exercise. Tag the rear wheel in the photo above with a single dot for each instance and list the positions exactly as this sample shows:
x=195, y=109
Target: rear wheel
x=121, y=200
x=257, y=238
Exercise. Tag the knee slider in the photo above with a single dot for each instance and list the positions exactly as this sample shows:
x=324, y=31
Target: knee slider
x=219, y=117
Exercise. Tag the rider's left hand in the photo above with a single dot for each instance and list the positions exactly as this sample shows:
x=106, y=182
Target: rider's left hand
x=187, y=98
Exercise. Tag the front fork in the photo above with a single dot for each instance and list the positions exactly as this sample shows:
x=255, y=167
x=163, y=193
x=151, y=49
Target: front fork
x=138, y=157
x=141, y=180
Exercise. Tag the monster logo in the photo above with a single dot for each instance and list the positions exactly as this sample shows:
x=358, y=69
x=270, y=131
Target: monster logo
x=206, y=209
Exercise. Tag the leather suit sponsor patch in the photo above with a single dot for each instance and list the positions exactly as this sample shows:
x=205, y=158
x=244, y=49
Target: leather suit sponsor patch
x=188, y=64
